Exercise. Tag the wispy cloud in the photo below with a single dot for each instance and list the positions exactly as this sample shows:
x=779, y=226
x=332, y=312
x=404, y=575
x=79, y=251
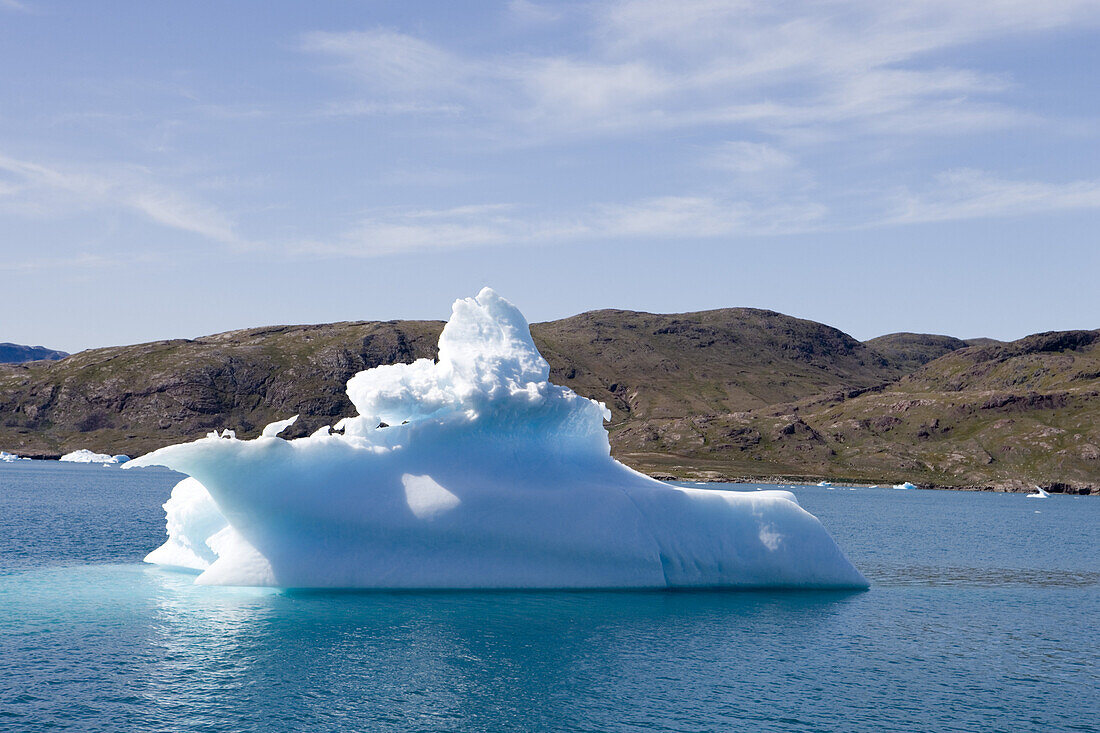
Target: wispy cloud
x=84, y=261
x=972, y=194
x=39, y=188
x=696, y=217
x=395, y=63
x=747, y=108
x=360, y=108
x=954, y=195
x=526, y=12
x=748, y=158
x=417, y=230
x=648, y=64
x=677, y=217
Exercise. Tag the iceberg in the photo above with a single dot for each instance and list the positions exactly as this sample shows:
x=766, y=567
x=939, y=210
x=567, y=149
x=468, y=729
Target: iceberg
x=6, y=457
x=471, y=472
x=905, y=486
x=1040, y=493
x=86, y=456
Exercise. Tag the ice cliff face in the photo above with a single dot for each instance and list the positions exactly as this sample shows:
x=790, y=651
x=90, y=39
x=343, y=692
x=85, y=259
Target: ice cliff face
x=485, y=476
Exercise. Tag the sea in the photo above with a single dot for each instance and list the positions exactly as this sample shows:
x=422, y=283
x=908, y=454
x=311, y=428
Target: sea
x=983, y=615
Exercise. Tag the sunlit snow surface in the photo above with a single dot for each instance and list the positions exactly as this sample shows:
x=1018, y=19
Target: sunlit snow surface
x=489, y=476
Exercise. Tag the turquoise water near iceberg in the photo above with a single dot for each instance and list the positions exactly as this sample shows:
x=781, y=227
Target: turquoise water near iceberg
x=981, y=616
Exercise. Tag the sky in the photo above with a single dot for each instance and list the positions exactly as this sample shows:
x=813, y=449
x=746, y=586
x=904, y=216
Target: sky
x=171, y=170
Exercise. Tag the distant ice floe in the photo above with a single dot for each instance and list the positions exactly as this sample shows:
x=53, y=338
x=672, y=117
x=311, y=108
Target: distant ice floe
x=488, y=476
x=905, y=485
x=824, y=483
x=86, y=456
x=6, y=457
x=1039, y=494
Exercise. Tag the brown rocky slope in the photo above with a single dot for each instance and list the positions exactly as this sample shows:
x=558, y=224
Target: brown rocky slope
x=716, y=394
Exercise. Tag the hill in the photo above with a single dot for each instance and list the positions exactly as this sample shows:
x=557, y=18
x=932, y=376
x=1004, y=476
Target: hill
x=1004, y=416
x=913, y=350
x=717, y=394
x=17, y=353
x=644, y=365
x=132, y=399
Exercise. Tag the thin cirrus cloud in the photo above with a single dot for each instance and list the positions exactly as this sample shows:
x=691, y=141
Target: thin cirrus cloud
x=417, y=230
x=702, y=119
x=659, y=65
x=82, y=261
x=745, y=158
x=394, y=63
x=954, y=195
x=39, y=190
x=792, y=92
x=973, y=194
x=525, y=12
x=692, y=217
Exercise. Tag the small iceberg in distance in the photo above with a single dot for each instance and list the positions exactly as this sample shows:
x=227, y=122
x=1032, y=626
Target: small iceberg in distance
x=6, y=457
x=86, y=456
x=824, y=483
x=1039, y=494
x=485, y=476
x=905, y=485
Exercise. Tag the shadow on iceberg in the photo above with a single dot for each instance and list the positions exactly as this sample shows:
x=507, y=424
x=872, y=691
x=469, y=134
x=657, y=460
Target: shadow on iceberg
x=490, y=477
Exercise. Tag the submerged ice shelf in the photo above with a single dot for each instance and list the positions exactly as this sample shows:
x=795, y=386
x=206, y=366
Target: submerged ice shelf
x=488, y=476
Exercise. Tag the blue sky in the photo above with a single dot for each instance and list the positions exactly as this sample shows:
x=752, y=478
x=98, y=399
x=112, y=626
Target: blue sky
x=177, y=169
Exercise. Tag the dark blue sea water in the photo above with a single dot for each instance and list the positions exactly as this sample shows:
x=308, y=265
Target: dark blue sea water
x=983, y=616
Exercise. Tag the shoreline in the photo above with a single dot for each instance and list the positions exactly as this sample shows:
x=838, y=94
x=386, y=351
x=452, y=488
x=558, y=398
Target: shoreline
x=716, y=477
x=1014, y=487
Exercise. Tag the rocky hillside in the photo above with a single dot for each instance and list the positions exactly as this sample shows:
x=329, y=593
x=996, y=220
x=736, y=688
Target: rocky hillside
x=17, y=353
x=717, y=394
x=913, y=350
x=1003, y=415
x=132, y=399
x=647, y=366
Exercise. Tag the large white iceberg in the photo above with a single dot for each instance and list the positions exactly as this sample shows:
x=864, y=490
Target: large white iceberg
x=487, y=476
x=86, y=456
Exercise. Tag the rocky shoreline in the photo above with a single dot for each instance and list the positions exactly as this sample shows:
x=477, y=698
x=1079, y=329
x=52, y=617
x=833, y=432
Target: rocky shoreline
x=1012, y=487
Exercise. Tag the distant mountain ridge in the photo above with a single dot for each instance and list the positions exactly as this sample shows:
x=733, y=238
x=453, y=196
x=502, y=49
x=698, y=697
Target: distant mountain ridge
x=17, y=353
x=914, y=350
x=719, y=394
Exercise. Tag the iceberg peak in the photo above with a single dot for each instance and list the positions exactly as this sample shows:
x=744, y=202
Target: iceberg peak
x=486, y=357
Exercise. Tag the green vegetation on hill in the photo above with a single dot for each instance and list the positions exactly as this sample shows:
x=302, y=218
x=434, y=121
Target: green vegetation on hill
x=133, y=399
x=1006, y=416
x=911, y=351
x=646, y=366
x=712, y=395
